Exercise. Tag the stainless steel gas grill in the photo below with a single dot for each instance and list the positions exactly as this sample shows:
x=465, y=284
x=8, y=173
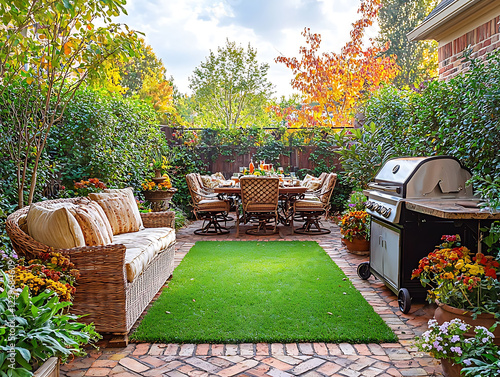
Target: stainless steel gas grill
x=413, y=202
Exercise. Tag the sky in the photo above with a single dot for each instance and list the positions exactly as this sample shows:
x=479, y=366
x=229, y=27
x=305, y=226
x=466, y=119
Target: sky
x=182, y=32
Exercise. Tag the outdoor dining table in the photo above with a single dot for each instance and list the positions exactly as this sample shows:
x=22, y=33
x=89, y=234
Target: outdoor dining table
x=287, y=195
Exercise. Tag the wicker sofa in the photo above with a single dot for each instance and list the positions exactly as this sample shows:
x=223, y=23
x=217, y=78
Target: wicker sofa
x=104, y=294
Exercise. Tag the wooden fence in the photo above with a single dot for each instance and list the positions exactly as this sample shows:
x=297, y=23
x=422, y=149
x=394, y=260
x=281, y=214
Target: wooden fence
x=295, y=158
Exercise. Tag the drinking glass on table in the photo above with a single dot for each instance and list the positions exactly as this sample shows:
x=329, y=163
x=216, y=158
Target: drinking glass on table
x=281, y=170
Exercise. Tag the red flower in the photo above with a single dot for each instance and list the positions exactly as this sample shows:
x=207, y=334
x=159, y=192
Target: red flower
x=491, y=273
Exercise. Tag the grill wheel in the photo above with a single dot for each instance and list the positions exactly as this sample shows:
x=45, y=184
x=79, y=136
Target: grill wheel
x=404, y=300
x=364, y=270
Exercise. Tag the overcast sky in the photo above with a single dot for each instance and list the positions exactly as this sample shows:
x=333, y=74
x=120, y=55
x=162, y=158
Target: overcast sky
x=182, y=32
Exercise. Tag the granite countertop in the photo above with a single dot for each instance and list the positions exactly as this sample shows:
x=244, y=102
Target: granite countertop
x=451, y=208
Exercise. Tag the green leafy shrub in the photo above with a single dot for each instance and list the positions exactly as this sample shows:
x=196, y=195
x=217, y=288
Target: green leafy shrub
x=105, y=137
x=184, y=161
x=38, y=329
x=340, y=196
x=459, y=117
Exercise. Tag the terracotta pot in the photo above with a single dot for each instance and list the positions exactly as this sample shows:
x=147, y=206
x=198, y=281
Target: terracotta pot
x=445, y=313
x=358, y=246
x=449, y=369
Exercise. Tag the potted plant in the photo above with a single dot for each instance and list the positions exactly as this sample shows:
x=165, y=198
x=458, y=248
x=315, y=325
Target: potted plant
x=460, y=353
x=36, y=328
x=159, y=164
x=463, y=285
x=355, y=225
x=159, y=194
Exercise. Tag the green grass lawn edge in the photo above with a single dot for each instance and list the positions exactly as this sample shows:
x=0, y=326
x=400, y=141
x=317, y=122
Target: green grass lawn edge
x=252, y=292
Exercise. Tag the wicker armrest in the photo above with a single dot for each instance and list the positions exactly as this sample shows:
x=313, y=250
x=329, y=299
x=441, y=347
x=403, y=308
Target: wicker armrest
x=159, y=219
x=98, y=263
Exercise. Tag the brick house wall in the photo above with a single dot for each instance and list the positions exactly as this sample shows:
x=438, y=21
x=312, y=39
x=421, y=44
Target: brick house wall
x=483, y=39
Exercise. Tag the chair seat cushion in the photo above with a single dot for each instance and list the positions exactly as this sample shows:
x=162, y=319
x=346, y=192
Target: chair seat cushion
x=213, y=205
x=142, y=247
x=311, y=197
x=260, y=207
x=308, y=205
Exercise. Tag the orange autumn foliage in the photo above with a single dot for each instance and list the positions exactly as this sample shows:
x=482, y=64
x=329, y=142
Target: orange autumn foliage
x=332, y=83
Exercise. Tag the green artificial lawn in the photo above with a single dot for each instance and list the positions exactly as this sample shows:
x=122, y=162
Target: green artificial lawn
x=250, y=292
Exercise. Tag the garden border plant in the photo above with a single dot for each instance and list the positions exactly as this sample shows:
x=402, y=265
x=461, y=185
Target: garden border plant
x=458, y=117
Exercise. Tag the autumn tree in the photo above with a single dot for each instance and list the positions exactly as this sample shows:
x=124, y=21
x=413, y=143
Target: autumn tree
x=417, y=60
x=47, y=49
x=143, y=76
x=230, y=89
x=332, y=83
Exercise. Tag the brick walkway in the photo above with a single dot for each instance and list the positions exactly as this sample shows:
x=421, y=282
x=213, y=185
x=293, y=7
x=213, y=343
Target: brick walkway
x=278, y=360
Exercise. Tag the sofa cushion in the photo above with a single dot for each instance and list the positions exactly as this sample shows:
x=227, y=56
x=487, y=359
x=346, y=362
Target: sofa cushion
x=142, y=247
x=92, y=225
x=55, y=227
x=98, y=209
x=129, y=195
x=119, y=210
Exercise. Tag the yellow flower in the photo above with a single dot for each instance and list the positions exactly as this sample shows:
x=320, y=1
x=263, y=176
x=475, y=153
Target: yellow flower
x=448, y=275
x=475, y=269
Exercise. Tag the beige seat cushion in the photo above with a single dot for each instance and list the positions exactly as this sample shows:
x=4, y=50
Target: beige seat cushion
x=311, y=197
x=213, y=205
x=305, y=205
x=260, y=207
x=121, y=210
x=55, y=227
x=142, y=247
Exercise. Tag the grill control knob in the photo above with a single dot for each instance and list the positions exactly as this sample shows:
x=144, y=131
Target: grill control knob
x=380, y=209
x=387, y=212
x=375, y=207
x=369, y=204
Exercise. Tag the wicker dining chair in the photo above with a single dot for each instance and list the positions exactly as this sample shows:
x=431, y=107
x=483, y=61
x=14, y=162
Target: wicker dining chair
x=310, y=209
x=207, y=208
x=259, y=203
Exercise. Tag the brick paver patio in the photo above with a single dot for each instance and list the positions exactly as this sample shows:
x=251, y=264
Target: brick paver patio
x=278, y=360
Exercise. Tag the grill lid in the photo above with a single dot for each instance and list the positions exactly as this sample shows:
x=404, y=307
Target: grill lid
x=398, y=170
x=420, y=177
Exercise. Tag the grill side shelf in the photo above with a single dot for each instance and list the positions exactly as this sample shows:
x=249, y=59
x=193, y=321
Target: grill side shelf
x=450, y=209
